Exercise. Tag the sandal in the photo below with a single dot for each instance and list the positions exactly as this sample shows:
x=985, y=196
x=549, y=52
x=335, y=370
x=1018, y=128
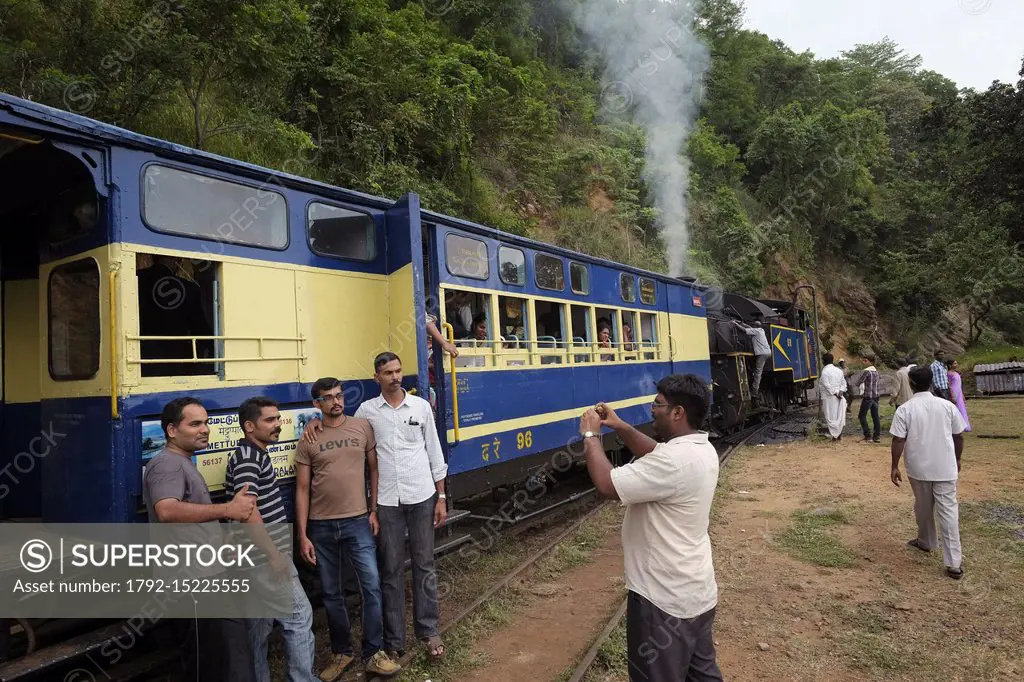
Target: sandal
x=917, y=545
x=435, y=647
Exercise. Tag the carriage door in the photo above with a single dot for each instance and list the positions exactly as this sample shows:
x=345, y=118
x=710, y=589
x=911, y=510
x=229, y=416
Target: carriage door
x=53, y=221
x=406, y=292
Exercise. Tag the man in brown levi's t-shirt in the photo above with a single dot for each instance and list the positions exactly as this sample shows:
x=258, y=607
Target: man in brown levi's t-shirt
x=332, y=520
x=337, y=463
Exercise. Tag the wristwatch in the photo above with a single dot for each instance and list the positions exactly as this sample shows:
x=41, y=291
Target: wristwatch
x=590, y=434
x=442, y=496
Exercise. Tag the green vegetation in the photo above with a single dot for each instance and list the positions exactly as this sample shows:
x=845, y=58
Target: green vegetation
x=808, y=538
x=491, y=111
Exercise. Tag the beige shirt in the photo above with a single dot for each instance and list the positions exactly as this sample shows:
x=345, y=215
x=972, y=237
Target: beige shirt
x=665, y=541
x=903, y=390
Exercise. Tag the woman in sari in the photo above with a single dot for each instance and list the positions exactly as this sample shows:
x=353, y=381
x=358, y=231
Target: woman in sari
x=956, y=391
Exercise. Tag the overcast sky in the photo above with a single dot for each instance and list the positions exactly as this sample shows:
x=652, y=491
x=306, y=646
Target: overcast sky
x=972, y=42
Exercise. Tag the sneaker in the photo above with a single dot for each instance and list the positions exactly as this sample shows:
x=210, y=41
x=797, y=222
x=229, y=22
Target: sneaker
x=955, y=573
x=381, y=664
x=334, y=669
x=876, y=440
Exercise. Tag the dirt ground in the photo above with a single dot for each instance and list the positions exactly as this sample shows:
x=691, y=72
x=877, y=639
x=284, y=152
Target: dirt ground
x=815, y=579
x=809, y=545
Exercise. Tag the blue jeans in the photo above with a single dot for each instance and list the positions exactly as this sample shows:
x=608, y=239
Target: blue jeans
x=336, y=540
x=299, y=643
x=869, y=404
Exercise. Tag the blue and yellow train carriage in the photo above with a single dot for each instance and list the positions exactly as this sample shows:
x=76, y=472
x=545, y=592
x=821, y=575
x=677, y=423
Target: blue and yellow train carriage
x=522, y=387
x=135, y=270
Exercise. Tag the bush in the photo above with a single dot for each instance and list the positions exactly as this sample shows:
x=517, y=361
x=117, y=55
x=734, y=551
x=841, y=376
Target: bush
x=855, y=346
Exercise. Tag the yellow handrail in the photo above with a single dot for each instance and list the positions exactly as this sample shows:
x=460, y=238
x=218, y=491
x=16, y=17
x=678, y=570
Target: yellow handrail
x=111, y=281
x=195, y=359
x=455, y=385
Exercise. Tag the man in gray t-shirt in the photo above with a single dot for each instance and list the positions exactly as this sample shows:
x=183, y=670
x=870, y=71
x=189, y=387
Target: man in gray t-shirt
x=170, y=476
x=174, y=492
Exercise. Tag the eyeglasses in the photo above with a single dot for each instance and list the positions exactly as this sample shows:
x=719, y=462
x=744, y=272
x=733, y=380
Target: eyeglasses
x=657, y=404
x=330, y=398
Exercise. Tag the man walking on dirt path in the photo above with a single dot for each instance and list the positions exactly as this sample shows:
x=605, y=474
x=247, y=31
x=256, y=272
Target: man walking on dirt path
x=667, y=491
x=903, y=390
x=928, y=431
x=940, y=377
x=869, y=401
x=833, y=397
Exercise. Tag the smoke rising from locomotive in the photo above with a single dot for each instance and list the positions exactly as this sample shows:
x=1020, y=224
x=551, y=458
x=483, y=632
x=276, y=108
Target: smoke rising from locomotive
x=654, y=66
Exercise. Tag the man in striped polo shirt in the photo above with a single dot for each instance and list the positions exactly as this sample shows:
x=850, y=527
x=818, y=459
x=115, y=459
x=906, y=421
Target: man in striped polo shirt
x=260, y=421
x=940, y=378
x=869, y=401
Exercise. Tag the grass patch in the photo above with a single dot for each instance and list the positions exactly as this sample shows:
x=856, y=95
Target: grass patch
x=461, y=655
x=1000, y=523
x=871, y=642
x=986, y=356
x=576, y=549
x=874, y=651
x=808, y=538
x=723, y=487
x=611, y=657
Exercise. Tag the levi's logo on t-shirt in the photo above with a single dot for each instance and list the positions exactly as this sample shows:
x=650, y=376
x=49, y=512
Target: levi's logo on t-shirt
x=345, y=443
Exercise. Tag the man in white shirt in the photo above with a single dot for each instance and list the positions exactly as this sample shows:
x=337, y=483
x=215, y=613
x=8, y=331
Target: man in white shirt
x=928, y=432
x=667, y=491
x=411, y=469
x=833, y=399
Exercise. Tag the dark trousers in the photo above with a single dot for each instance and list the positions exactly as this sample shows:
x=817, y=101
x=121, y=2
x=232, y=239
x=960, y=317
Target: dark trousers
x=418, y=519
x=336, y=540
x=215, y=650
x=663, y=648
x=865, y=405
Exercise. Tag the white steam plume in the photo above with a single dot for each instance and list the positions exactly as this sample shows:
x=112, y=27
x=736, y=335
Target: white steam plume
x=654, y=67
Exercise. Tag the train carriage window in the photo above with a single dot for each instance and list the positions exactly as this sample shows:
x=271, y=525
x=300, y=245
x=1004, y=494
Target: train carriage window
x=581, y=336
x=550, y=272
x=607, y=333
x=647, y=291
x=513, y=327
x=73, y=303
x=550, y=331
x=627, y=287
x=177, y=298
x=629, y=335
x=512, y=266
x=466, y=257
x=476, y=342
x=649, y=336
x=341, y=233
x=579, y=278
x=194, y=205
